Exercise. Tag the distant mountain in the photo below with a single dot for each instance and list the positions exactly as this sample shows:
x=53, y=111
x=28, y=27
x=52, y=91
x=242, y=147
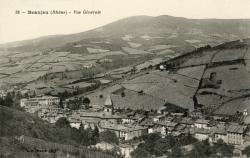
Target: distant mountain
x=147, y=29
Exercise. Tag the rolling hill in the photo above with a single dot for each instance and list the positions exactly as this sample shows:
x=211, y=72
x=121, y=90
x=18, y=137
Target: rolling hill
x=208, y=31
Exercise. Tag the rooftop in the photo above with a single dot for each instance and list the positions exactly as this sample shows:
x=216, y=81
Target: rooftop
x=123, y=128
x=202, y=121
x=234, y=128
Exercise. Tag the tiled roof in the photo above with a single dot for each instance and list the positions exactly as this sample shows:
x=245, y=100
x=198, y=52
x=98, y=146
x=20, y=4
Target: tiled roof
x=202, y=121
x=202, y=131
x=168, y=124
x=233, y=128
x=123, y=128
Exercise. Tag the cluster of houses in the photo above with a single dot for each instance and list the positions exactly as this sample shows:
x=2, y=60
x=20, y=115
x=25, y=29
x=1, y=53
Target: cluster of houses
x=131, y=124
x=128, y=126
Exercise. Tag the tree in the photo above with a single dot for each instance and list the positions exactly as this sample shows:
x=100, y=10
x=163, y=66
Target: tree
x=7, y=101
x=6, y=117
x=202, y=149
x=176, y=152
x=109, y=137
x=62, y=122
x=247, y=151
x=61, y=103
x=84, y=140
x=123, y=94
x=155, y=145
x=223, y=149
x=86, y=102
x=95, y=135
x=140, y=153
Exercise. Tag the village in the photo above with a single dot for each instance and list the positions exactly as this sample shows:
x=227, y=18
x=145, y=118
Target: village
x=108, y=114
x=178, y=99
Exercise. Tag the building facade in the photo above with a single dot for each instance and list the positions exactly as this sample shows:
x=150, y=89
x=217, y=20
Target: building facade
x=44, y=100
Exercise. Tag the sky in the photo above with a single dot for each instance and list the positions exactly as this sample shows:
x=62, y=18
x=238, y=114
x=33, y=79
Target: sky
x=14, y=27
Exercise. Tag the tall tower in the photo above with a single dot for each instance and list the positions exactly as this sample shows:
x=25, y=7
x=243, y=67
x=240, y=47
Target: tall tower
x=108, y=106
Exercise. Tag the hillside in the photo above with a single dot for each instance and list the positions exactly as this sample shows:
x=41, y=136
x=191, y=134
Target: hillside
x=38, y=135
x=224, y=81
x=191, y=31
x=213, y=79
x=133, y=41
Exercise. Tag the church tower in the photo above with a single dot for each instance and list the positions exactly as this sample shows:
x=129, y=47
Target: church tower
x=108, y=106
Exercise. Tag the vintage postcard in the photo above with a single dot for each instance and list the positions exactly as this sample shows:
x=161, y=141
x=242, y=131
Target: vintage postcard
x=124, y=78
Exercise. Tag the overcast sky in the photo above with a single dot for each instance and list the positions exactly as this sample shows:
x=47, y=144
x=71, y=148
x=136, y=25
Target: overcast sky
x=19, y=27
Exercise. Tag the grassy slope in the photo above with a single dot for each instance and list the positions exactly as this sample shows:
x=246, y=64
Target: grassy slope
x=15, y=123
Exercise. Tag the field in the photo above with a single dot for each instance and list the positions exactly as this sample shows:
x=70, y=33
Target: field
x=166, y=51
x=247, y=55
x=209, y=100
x=193, y=41
x=79, y=85
x=4, y=61
x=99, y=96
x=148, y=63
x=229, y=75
x=192, y=72
x=134, y=51
x=133, y=100
x=234, y=106
x=161, y=47
x=229, y=55
x=134, y=45
x=201, y=59
x=96, y=50
x=172, y=88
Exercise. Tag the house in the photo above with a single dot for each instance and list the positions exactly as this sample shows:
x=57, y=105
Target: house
x=149, y=124
x=44, y=100
x=219, y=133
x=126, y=149
x=235, y=133
x=202, y=133
x=202, y=123
x=159, y=118
x=125, y=132
x=166, y=127
x=3, y=94
x=74, y=103
x=189, y=122
x=51, y=114
x=75, y=121
x=128, y=119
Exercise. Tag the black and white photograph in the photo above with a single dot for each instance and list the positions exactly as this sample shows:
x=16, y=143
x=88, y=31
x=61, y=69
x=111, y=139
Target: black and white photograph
x=124, y=78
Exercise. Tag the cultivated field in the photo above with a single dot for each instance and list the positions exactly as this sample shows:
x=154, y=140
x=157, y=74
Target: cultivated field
x=192, y=72
x=134, y=51
x=229, y=55
x=200, y=59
